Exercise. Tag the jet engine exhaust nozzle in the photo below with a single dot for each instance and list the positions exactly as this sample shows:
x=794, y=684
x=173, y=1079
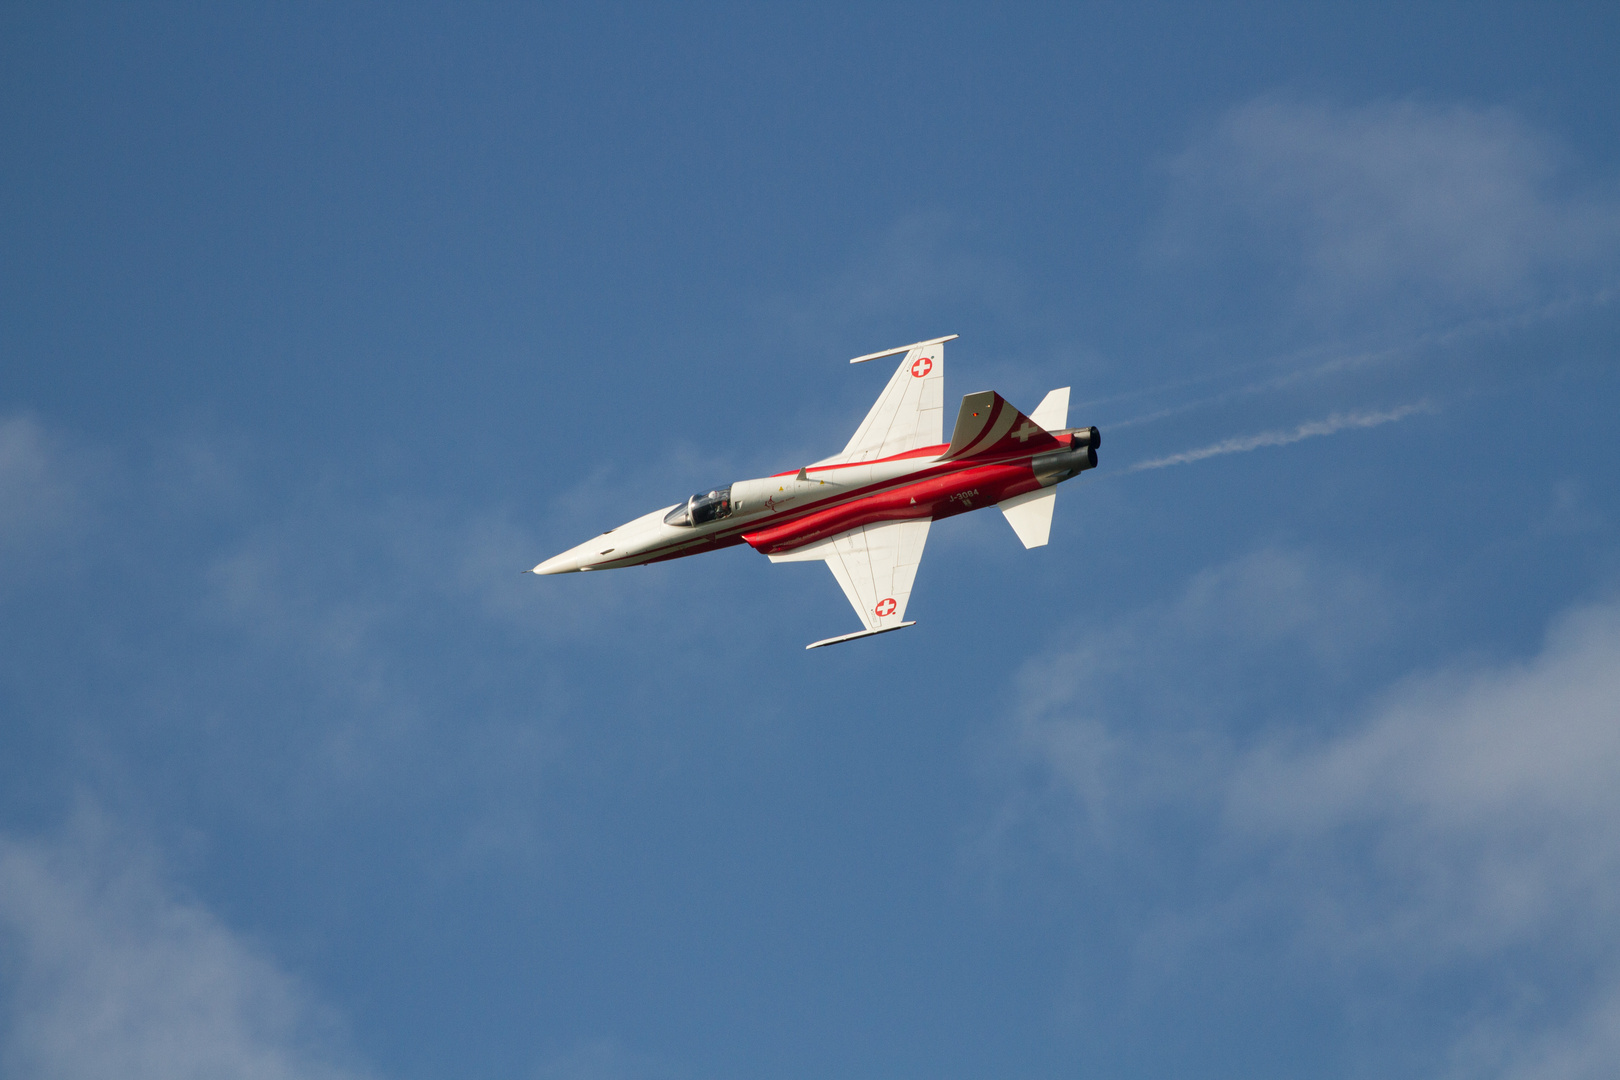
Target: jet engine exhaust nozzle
x=1070, y=461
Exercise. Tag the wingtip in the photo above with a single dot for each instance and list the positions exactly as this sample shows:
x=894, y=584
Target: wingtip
x=904, y=348
x=859, y=634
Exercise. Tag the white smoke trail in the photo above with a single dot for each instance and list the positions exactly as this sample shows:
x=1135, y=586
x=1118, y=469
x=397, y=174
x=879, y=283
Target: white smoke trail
x=1242, y=443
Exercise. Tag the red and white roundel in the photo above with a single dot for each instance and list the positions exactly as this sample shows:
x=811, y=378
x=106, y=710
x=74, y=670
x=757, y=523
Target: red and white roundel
x=921, y=366
x=885, y=607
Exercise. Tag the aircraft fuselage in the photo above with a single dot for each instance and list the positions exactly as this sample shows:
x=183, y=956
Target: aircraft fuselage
x=777, y=514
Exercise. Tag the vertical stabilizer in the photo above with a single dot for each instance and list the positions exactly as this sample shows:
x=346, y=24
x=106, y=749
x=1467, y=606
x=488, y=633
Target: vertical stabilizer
x=988, y=424
x=1030, y=515
x=1053, y=411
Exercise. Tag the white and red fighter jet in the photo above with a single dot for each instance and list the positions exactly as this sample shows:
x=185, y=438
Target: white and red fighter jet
x=866, y=510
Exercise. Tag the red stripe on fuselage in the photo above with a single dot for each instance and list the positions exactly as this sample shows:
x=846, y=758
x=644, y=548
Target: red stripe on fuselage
x=932, y=497
x=920, y=452
x=935, y=487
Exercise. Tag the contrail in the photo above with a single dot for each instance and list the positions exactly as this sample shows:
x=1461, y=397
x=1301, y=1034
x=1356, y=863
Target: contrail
x=1336, y=422
x=1338, y=361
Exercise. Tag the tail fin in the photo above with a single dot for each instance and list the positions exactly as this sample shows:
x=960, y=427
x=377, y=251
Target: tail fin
x=988, y=424
x=1053, y=411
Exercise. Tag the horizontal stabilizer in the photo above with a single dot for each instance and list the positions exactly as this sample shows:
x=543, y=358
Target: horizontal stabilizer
x=857, y=634
x=1030, y=515
x=988, y=424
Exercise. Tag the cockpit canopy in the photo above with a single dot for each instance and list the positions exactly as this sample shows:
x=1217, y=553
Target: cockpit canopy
x=701, y=508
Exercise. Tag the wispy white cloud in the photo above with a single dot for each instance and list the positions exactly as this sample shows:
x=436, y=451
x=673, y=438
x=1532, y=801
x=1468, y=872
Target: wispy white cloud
x=1373, y=242
x=605, y=1059
x=304, y=607
x=1465, y=820
x=1408, y=204
x=1132, y=714
x=913, y=280
x=111, y=973
x=1473, y=815
x=1313, y=429
x=1493, y=789
x=41, y=482
x=918, y=262
x=1584, y=1048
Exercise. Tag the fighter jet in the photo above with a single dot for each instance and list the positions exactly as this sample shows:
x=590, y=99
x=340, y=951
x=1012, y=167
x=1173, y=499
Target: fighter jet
x=866, y=510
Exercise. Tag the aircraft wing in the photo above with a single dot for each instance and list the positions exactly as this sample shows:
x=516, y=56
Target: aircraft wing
x=911, y=410
x=875, y=565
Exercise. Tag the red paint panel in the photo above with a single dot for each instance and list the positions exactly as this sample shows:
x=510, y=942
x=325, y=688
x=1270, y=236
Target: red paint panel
x=1022, y=435
x=935, y=497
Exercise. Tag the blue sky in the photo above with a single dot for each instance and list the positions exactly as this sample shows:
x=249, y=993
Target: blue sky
x=1294, y=754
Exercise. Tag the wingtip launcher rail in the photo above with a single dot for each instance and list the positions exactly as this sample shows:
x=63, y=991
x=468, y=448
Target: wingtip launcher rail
x=904, y=348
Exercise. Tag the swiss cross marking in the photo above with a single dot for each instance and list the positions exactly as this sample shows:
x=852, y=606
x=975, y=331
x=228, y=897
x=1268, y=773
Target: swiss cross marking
x=1023, y=433
x=921, y=366
x=885, y=607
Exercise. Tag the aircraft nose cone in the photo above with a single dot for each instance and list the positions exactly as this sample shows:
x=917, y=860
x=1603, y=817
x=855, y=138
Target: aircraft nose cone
x=566, y=563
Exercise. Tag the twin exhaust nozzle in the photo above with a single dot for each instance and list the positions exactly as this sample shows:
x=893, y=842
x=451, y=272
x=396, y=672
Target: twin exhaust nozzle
x=1083, y=436
x=1076, y=458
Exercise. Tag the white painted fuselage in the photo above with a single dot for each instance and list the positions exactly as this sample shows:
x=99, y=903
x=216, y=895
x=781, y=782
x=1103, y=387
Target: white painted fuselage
x=755, y=504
